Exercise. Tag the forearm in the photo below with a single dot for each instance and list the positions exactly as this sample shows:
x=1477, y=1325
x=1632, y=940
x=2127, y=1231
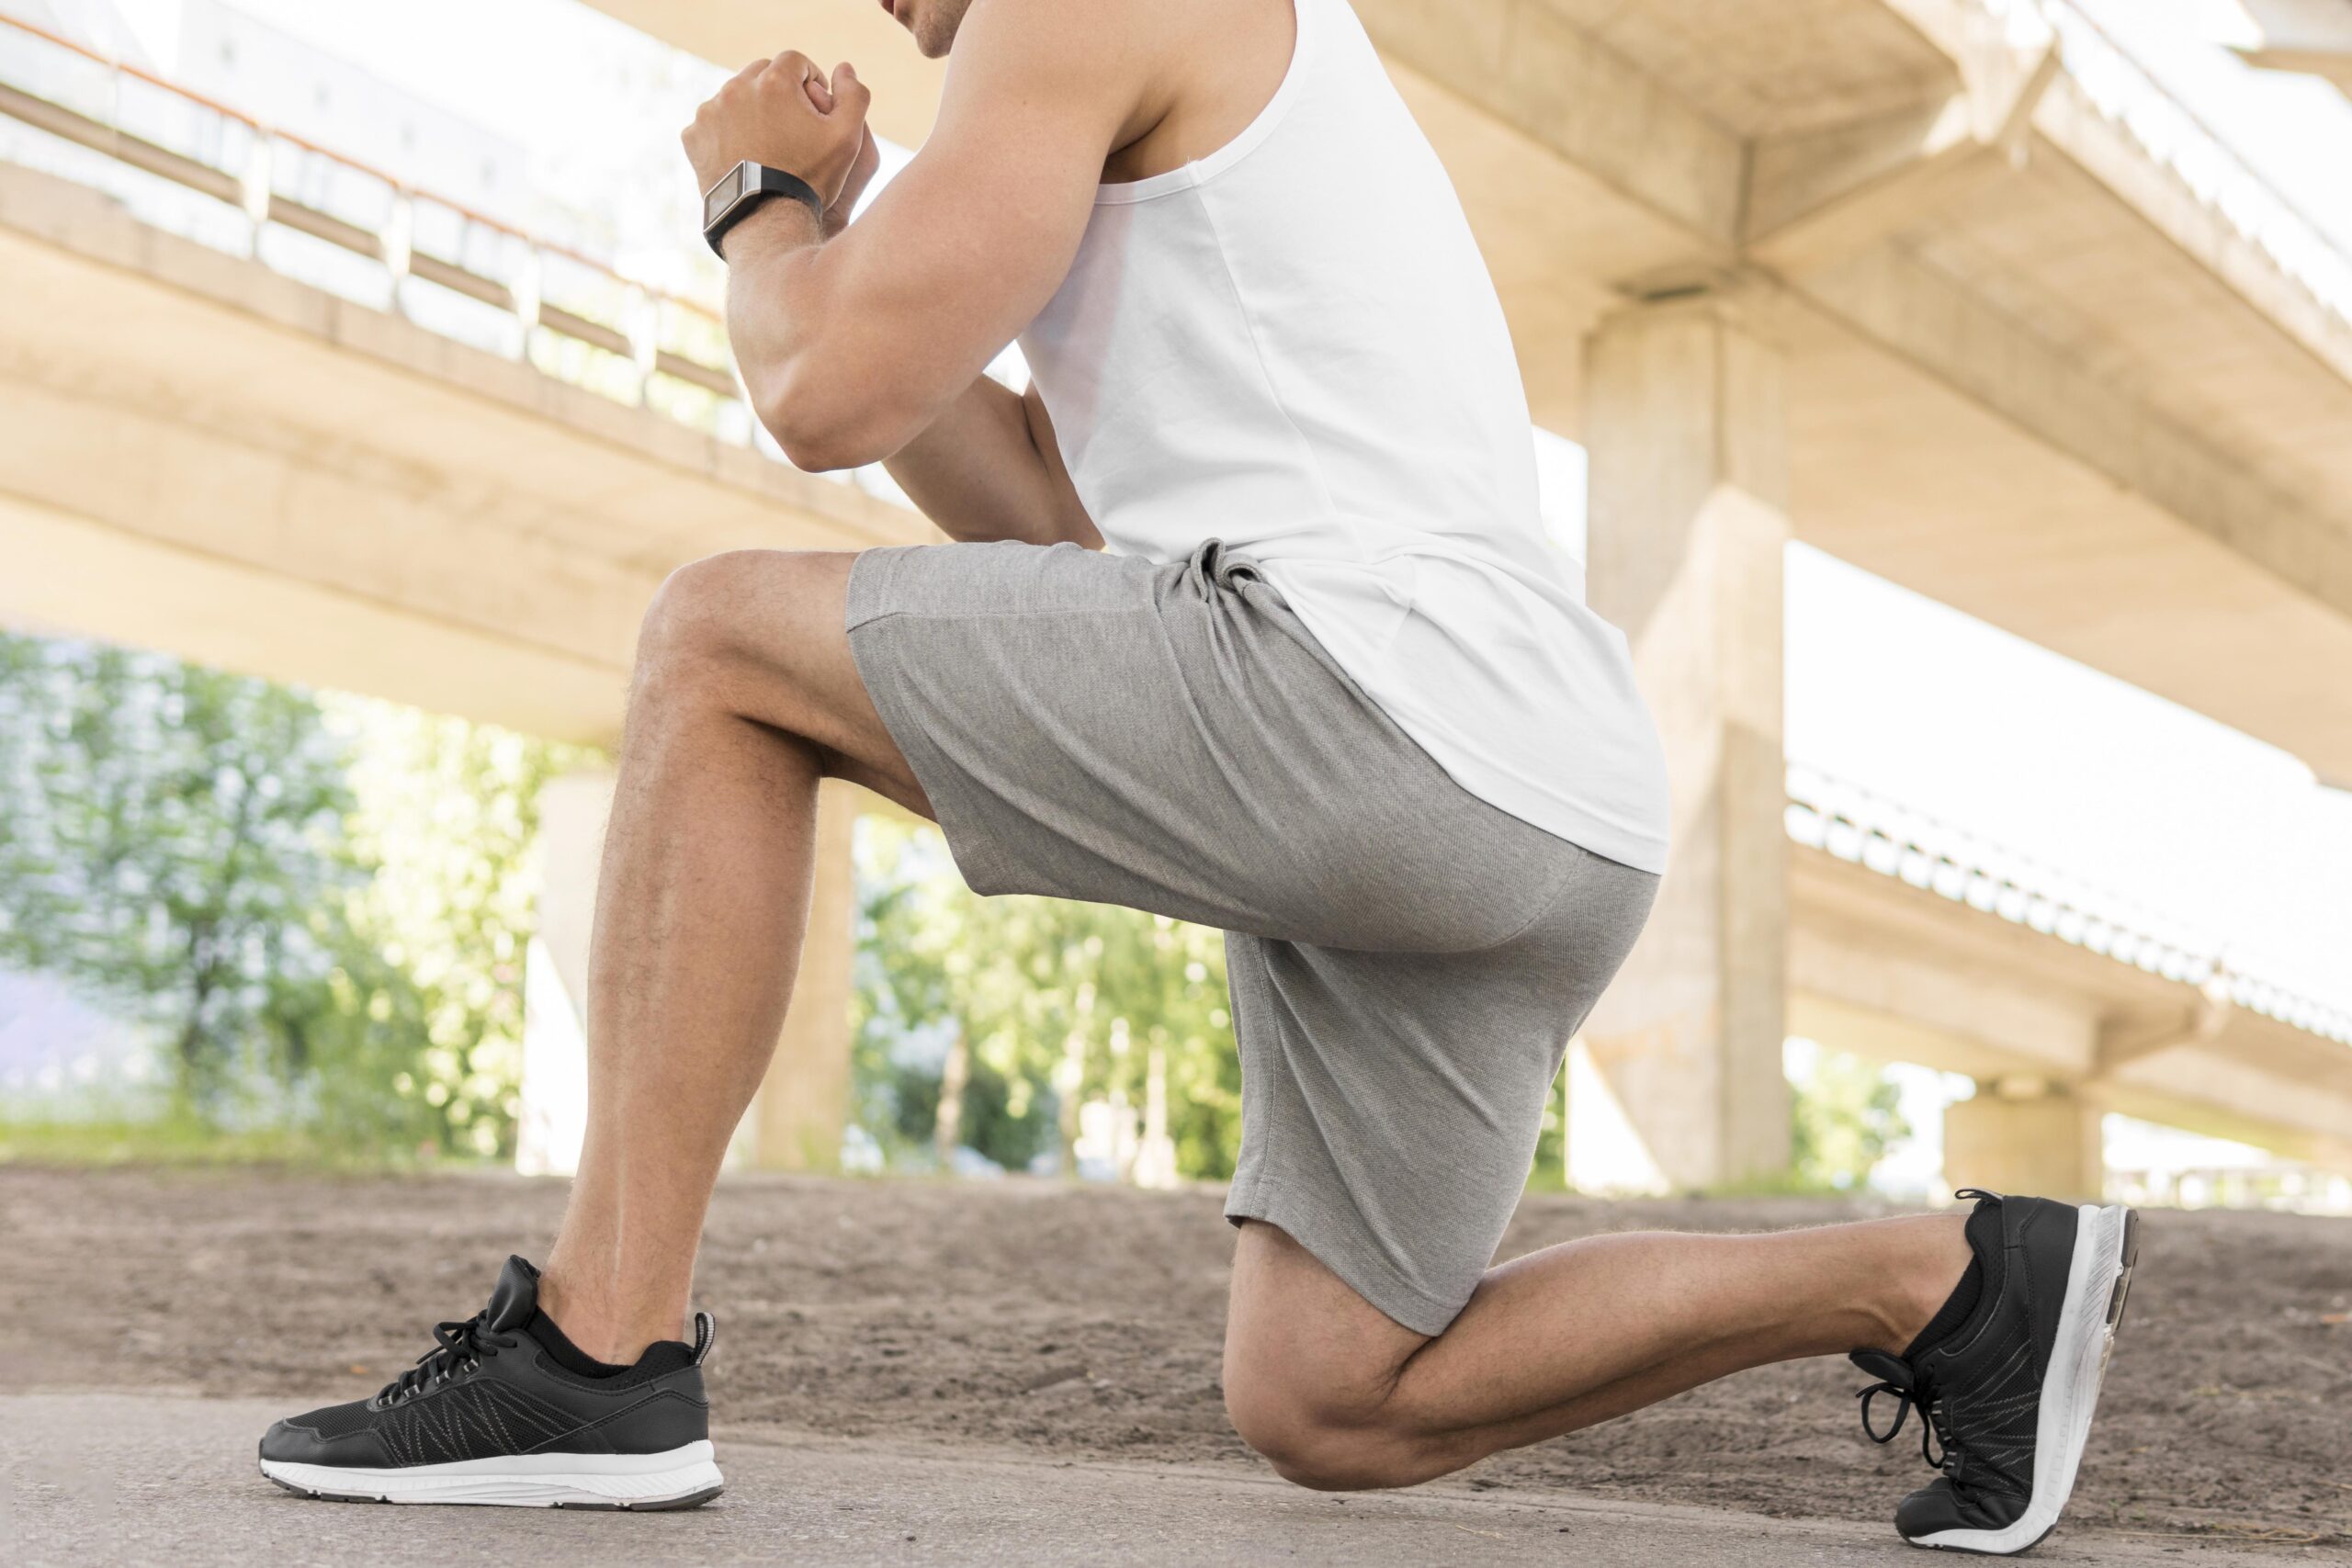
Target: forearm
x=976, y=471
x=774, y=316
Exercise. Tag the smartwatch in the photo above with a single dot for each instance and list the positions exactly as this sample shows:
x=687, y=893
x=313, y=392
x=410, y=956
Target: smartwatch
x=742, y=188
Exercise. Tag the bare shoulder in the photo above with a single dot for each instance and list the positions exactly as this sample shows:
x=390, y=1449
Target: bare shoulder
x=1088, y=47
x=1167, y=82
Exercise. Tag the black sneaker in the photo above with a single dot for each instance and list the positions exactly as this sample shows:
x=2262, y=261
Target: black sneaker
x=506, y=1411
x=2005, y=1383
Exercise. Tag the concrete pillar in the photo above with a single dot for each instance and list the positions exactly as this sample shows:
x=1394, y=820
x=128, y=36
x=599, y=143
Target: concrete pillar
x=554, y=1115
x=2045, y=1144
x=795, y=1121
x=1688, y=504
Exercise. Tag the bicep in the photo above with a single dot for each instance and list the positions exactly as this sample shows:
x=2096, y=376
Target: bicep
x=963, y=248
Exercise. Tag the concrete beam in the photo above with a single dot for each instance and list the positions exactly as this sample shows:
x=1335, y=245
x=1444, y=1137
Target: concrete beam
x=116, y=308
x=1949, y=332
x=1821, y=195
x=2201, y=1022
x=2216, y=1092
x=2333, y=65
x=68, y=575
x=1867, y=1029
x=1895, y=972
x=365, y=505
x=2308, y=36
x=323, y=520
x=1934, y=1007
x=2067, y=122
x=1530, y=67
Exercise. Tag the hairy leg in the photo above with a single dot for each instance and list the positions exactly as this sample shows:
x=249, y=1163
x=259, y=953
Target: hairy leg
x=1338, y=1396
x=745, y=696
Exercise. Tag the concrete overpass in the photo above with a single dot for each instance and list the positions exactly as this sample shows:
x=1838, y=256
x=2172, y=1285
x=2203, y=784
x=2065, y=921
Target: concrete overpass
x=2309, y=35
x=1882, y=275
x=1913, y=942
x=1949, y=288
x=206, y=456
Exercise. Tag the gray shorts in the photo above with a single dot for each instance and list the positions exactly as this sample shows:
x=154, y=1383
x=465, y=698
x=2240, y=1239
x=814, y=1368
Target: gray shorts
x=1407, y=962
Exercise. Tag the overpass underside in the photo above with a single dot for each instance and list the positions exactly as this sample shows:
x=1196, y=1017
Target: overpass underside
x=1902, y=279
x=1950, y=291
x=1880, y=275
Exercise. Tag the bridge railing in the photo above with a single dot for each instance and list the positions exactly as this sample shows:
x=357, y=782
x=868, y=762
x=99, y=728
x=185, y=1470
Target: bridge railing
x=2125, y=91
x=1856, y=825
x=456, y=271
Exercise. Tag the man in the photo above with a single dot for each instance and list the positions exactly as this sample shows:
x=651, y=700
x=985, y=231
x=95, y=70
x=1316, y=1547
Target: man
x=1329, y=691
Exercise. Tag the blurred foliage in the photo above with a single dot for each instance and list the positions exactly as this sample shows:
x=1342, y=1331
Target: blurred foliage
x=171, y=840
x=1058, y=1003
x=445, y=814
x=176, y=1138
x=1549, y=1172
x=1845, y=1120
x=318, y=905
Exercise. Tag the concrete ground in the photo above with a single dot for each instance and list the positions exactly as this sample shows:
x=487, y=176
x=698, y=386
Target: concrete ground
x=88, y=1478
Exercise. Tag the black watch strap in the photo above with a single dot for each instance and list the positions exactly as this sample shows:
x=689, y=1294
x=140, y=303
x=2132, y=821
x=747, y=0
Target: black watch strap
x=741, y=189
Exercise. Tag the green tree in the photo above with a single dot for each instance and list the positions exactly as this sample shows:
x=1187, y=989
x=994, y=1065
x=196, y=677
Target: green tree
x=445, y=814
x=1057, y=1002
x=320, y=904
x=171, y=831
x=1846, y=1118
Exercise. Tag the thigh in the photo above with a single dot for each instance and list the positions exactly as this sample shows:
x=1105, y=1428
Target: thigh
x=764, y=632
x=1170, y=737
x=1299, y=1341
x=1043, y=700
x=1391, y=1101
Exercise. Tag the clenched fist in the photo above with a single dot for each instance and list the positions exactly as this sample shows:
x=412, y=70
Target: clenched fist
x=785, y=114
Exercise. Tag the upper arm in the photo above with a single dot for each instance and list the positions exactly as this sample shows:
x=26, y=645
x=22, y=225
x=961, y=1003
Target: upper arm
x=959, y=253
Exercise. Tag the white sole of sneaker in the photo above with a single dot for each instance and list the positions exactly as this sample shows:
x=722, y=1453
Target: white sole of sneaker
x=678, y=1479
x=2106, y=1245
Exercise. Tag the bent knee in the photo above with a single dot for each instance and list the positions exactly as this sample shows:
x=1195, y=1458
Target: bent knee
x=1327, y=1445
x=697, y=612
x=761, y=611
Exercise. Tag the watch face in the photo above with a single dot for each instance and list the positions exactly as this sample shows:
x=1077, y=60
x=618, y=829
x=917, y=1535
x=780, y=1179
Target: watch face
x=722, y=195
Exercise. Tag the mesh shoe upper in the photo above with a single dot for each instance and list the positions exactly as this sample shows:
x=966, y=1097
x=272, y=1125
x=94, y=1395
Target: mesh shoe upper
x=490, y=1390
x=1978, y=1385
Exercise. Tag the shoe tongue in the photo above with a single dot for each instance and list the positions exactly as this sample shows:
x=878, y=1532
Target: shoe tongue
x=516, y=1297
x=1983, y=1229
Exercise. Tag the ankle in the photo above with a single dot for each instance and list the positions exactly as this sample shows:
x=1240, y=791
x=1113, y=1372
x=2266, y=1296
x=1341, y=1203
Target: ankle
x=600, y=1328
x=1934, y=1254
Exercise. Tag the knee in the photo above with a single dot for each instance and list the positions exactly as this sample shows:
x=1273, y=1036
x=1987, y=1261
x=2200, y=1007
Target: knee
x=690, y=622
x=1328, y=1444
x=741, y=613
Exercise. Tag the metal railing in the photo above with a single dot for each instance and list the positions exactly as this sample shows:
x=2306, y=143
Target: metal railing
x=1855, y=825
x=2129, y=95
x=572, y=316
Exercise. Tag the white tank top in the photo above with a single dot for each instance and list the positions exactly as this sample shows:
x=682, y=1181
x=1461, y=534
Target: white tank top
x=1293, y=345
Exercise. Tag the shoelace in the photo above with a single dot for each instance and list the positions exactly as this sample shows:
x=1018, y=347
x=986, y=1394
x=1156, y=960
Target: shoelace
x=456, y=1345
x=1937, y=1445
x=1910, y=1393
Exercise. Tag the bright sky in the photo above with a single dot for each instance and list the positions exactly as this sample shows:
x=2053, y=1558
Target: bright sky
x=1909, y=699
